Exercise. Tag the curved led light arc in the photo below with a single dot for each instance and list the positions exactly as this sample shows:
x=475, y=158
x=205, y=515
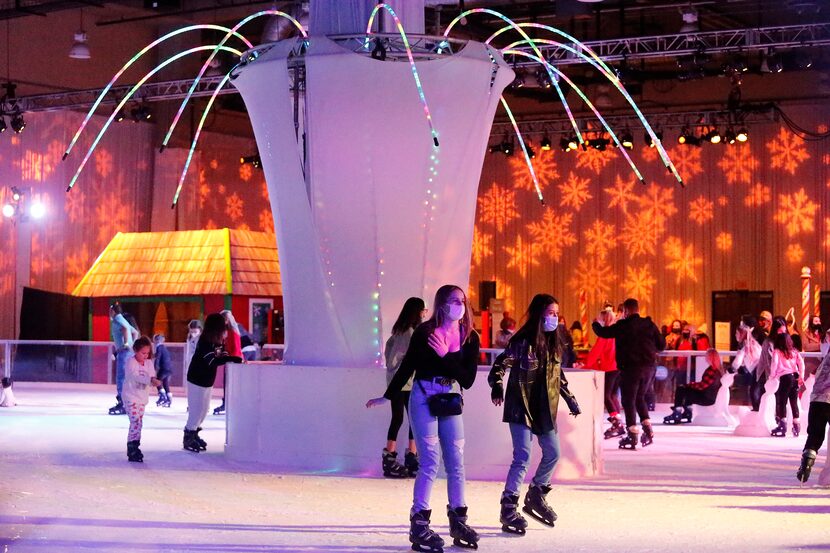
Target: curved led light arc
x=588, y=103
x=420, y=88
x=512, y=24
x=229, y=32
x=524, y=149
x=134, y=59
x=132, y=91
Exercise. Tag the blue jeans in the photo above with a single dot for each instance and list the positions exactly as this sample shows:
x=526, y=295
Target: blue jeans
x=431, y=434
x=522, y=441
x=121, y=357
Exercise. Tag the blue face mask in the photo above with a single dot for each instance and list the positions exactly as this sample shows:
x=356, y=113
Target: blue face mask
x=551, y=322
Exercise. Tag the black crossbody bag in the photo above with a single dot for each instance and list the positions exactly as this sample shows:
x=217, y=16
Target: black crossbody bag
x=444, y=405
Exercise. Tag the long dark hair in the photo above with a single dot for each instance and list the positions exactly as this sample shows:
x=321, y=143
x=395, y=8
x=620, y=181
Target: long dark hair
x=783, y=343
x=777, y=322
x=442, y=296
x=143, y=342
x=214, y=328
x=410, y=315
x=533, y=329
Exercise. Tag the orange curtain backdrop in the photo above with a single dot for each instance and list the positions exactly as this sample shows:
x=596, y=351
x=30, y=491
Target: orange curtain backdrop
x=750, y=217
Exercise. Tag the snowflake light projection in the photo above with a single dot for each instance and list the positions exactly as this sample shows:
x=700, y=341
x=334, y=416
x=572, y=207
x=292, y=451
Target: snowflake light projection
x=113, y=216
x=103, y=163
x=682, y=259
x=701, y=210
x=738, y=164
x=574, y=191
x=73, y=205
x=593, y=159
x=266, y=221
x=687, y=160
x=796, y=213
x=787, y=151
x=621, y=193
x=683, y=310
x=648, y=154
x=522, y=255
x=600, y=238
x=723, y=241
x=795, y=254
x=544, y=164
x=723, y=201
x=482, y=246
x=498, y=207
x=552, y=234
x=234, y=206
x=593, y=275
x=639, y=283
x=657, y=203
x=246, y=172
x=758, y=196
x=77, y=264
x=639, y=235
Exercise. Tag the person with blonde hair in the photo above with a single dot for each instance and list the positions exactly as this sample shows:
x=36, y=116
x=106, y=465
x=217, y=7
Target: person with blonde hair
x=702, y=392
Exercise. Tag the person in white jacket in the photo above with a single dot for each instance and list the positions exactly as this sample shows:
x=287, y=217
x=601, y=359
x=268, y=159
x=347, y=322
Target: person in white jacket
x=139, y=377
x=787, y=366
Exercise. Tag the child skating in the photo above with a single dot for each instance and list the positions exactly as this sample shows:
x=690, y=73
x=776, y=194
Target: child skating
x=139, y=375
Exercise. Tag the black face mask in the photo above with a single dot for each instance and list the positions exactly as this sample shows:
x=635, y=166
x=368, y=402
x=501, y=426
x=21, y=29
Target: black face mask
x=687, y=334
x=675, y=331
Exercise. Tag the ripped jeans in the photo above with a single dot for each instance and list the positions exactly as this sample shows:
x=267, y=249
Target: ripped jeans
x=434, y=434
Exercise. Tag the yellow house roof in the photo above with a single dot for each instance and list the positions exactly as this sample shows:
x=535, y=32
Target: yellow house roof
x=185, y=263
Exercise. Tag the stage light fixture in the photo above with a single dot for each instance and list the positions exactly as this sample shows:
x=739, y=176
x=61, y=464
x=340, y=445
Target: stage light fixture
x=37, y=210
x=2, y=124
x=120, y=115
x=563, y=144
x=742, y=135
x=573, y=143
x=804, y=60
x=730, y=136
x=713, y=136
x=531, y=153
x=8, y=211
x=141, y=113
x=17, y=194
x=18, y=123
x=545, y=143
x=254, y=160
x=773, y=61
x=519, y=81
x=542, y=78
x=507, y=147
x=684, y=136
x=599, y=144
x=649, y=142
x=626, y=140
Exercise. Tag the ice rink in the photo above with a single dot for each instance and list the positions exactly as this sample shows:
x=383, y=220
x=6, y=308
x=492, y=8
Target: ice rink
x=66, y=485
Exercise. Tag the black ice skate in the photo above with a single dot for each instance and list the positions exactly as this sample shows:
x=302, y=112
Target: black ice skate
x=160, y=401
x=462, y=535
x=134, y=454
x=631, y=440
x=648, y=435
x=617, y=428
x=221, y=409
x=674, y=418
x=781, y=430
x=390, y=465
x=410, y=461
x=807, y=460
x=796, y=428
x=537, y=506
x=200, y=441
x=511, y=520
x=189, y=441
x=118, y=408
x=168, y=399
x=421, y=536
x=686, y=415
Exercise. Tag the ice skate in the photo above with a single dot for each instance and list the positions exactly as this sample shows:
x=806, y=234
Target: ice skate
x=410, y=461
x=221, y=409
x=161, y=400
x=421, y=536
x=200, y=441
x=537, y=506
x=390, y=465
x=781, y=430
x=631, y=440
x=189, y=441
x=648, y=435
x=807, y=460
x=686, y=415
x=462, y=535
x=134, y=454
x=674, y=418
x=617, y=428
x=796, y=428
x=168, y=399
x=118, y=408
x=511, y=520
x=6, y=393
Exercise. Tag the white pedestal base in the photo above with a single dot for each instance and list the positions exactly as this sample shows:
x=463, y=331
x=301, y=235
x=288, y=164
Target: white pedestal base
x=314, y=419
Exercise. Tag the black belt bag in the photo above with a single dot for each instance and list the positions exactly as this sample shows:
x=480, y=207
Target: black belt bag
x=444, y=405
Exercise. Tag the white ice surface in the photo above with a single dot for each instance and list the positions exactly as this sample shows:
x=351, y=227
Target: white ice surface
x=65, y=485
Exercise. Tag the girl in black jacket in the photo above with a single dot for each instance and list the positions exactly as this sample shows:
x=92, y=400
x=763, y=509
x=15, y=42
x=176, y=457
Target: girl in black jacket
x=531, y=400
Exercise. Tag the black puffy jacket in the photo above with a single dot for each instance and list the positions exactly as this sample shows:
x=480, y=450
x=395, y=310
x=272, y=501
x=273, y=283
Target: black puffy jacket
x=637, y=339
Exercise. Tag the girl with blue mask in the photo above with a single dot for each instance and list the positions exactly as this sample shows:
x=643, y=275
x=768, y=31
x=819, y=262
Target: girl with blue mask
x=533, y=358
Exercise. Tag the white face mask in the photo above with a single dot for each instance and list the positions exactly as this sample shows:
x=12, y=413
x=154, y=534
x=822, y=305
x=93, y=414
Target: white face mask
x=551, y=322
x=454, y=311
x=825, y=347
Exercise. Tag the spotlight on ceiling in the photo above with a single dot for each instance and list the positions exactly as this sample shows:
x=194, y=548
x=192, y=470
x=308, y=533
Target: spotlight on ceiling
x=713, y=136
x=120, y=116
x=545, y=143
x=531, y=153
x=649, y=142
x=803, y=60
x=730, y=136
x=772, y=62
x=519, y=81
x=18, y=123
x=253, y=160
x=141, y=112
x=8, y=211
x=17, y=194
x=80, y=48
x=626, y=140
x=542, y=78
x=507, y=147
x=742, y=135
x=573, y=142
x=37, y=210
x=2, y=124
x=598, y=144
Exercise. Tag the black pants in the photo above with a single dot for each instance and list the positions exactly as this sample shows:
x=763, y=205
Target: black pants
x=634, y=385
x=165, y=381
x=817, y=420
x=685, y=396
x=399, y=404
x=787, y=391
x=756, y=390
x=612, y=388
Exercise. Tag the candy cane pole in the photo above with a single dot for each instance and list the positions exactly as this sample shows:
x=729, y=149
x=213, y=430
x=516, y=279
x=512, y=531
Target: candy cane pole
x=816, y=301
x=583, y=315
x=805, y=298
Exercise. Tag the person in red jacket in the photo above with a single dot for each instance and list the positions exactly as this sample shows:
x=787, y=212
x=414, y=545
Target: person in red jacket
x=602, y=358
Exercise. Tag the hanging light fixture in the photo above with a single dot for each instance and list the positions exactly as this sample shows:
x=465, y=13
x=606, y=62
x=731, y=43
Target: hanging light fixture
x=80, y=49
